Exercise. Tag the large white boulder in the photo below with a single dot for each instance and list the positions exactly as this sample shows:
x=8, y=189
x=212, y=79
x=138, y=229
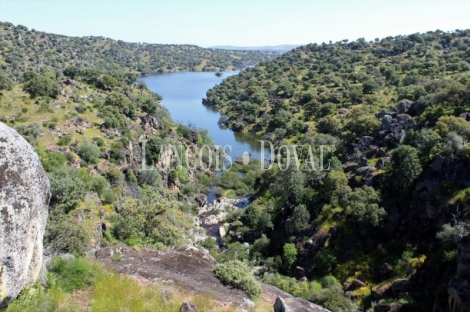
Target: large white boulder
x=24, y=199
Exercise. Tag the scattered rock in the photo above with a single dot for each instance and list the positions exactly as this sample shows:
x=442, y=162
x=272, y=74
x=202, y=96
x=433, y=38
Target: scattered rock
x=400, y=286
x=362, y=162
x=187, y=307
x=201, y=199
x=79, y=215
x=388, y=307
x=295, y=305
x=404, y=106
x=382, y=162
x=363, y=171
x=222, y=232
x=437, y=163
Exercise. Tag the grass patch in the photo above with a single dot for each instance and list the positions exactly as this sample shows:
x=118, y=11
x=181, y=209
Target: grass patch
x=73, y=275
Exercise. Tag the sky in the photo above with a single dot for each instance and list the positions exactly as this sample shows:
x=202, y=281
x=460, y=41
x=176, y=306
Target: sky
x=237, y=23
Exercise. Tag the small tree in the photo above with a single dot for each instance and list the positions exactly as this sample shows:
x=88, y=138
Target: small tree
x=44, y=85
x=404, y=168
x=289, y=255
x=65, y=234
x=67, y=188
x=72, y=72
x=5, y=82
x=300, y=218
x=453, y=143
x=89, y=152
x=365, y=206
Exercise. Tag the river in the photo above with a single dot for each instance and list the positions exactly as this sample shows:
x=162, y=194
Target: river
x=182, y=95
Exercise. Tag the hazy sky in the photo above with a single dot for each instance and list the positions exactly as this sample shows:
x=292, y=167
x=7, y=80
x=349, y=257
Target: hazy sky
x=240, y=22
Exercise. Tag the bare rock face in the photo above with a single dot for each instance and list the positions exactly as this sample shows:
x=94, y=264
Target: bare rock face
x=296, y=305
x=24, y=199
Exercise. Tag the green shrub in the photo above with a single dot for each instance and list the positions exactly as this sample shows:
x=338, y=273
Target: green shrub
x=114, y=176
x=179, y=173
x=65, y=234
x=149, y=177
x=189, y=189
x=152, y=222
x=333, y=299
x=53, y=160
x=289, y=255
x=5, y=82
x=300, y=218
x=260, y=246
x=325, y=261
x=447, y=236
x=89, y=152
x=237, y=274
x=328, y=281
x=64, y=140
x=99, y=184
x=29, y=132
x=67, y=188
x=108, y=196
x=42, y=85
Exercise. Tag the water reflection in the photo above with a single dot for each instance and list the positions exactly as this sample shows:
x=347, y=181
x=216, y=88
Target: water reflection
x=182, y=96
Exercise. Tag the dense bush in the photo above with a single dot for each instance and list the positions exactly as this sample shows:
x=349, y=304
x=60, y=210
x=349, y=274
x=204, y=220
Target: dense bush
x=41, y=85
x=289, y=255
x=5, y=82
x=149, y=177
x=53, y=160
x=150, y=222
x=365, y=206
x=30, y=132
x=237, y=274
x=67, y=188
x=404, y=168
x=64, y=233
x=89, y=152
x=300, y=218
x=325, y=261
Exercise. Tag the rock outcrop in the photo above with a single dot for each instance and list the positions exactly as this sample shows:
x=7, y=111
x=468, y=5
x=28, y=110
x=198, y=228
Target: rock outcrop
x=291, y=304
x=24, y=199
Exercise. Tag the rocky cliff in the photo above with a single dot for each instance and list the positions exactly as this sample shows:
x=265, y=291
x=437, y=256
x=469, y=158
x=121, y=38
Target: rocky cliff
x=24, y=199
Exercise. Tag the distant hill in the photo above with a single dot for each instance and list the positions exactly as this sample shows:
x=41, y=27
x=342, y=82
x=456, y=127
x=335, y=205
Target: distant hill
x=279, y=48
x=23, y=49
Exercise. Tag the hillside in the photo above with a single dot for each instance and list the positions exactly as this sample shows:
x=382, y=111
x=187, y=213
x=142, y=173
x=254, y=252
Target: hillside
x=314, y=85
x=23, y=49
x=389, y=219
x=277, y=48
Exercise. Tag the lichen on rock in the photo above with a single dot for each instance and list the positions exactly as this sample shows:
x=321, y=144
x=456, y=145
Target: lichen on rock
x=24, y=199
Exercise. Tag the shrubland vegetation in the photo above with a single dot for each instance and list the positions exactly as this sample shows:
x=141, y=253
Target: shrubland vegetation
x=86, y=124
x=390, y=109
x=21, y=48
x=394, y=109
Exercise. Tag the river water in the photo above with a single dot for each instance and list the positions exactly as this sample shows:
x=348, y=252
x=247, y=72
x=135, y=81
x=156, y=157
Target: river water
x=182, y=96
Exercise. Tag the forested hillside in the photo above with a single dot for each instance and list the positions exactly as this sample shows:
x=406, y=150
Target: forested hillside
x=313, y=86
x=24, y=49
x=387, y=226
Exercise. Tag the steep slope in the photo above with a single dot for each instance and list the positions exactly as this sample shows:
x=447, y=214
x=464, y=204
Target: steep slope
x=22, y=49
x=314, y=85
x=384, y=219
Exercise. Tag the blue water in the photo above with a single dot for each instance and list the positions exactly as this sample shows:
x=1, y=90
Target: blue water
x=182, y=96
